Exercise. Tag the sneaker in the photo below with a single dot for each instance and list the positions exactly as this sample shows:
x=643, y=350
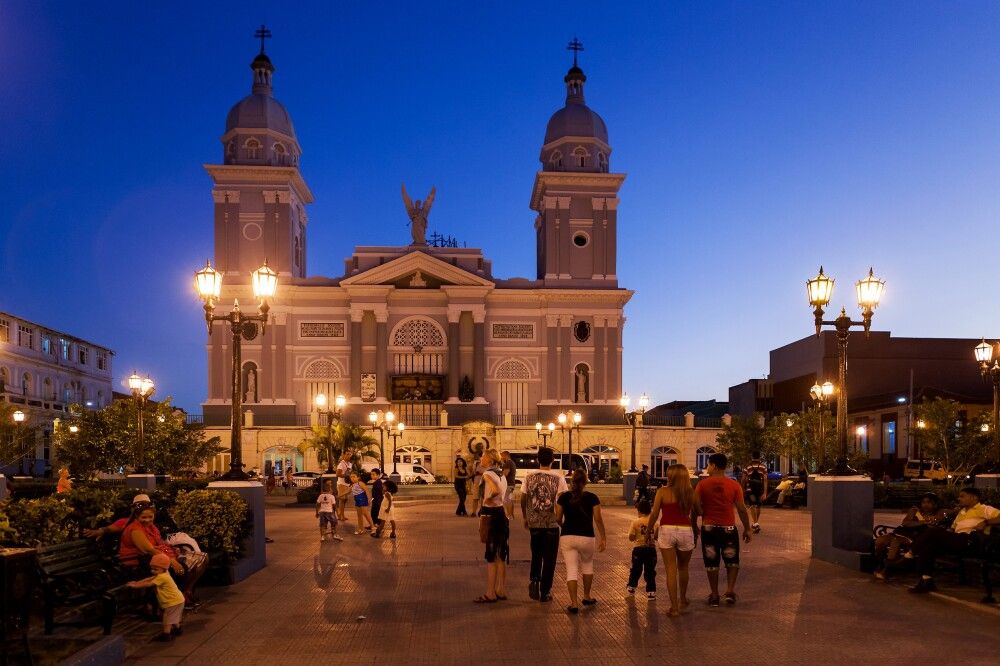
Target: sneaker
x=730, y=598
x=545, y=597
x=357, y=532
x=756, y=528
x=651, y=595
x=337, y=537
x=375, y=535
x=177, y=631
x=322, y=539
x=924, y=586
x=164, y=638
x=533, y=590
x=713, y=600
x=630, y=589
x=392, y=536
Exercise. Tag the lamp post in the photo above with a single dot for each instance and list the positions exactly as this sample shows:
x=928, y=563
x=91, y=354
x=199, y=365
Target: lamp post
x=264, y=282
x=633, y=418
x=19, y=417
x=990, y=369
x=382, y=426
x=322, y=406
x=570, y=422
x=395, y=434
x=820, y=393
x=142, y=388
x=869, y=292
x=545, y=433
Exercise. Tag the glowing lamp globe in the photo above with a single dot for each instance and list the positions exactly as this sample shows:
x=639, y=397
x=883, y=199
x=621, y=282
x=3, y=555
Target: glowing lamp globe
x=208, y=282
x=870, y=291
x=820, y=289
x=984, y=352
x=264, y=281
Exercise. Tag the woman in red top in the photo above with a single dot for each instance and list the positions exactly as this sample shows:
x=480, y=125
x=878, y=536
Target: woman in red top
x=673, y=505
x=141, y=540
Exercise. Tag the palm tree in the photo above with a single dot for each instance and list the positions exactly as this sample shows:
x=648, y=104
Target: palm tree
x=345, y=438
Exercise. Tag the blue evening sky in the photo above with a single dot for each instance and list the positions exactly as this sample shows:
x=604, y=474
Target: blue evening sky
x=760, y=140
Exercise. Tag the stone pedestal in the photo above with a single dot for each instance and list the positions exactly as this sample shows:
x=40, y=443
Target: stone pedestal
x=141, y=481
x=254, y=557
x=988, y=481
x=842, y=518
x=628, y=487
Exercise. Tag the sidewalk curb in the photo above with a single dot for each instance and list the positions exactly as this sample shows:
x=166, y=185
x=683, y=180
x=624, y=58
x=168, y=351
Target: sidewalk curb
x=990, y=609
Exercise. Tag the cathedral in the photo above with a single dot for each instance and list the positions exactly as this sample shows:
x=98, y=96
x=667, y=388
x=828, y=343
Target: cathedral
x=424, y=329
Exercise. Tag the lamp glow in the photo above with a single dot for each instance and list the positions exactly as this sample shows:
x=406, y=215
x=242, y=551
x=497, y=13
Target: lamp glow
x=984, y=352
x=869, y=291
x=820, y=289
x=264, y=281
x=19, y=416
x=320, y=401
x=208, y=282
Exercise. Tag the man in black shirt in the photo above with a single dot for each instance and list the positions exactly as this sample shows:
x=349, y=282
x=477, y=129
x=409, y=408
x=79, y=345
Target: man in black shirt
x=377, y=495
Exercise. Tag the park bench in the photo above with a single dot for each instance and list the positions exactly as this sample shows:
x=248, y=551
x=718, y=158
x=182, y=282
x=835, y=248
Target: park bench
x=79, y=575
x=983, y=553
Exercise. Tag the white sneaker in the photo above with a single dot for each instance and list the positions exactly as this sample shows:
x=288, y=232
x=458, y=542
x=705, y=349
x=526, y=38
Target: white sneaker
x=651, y=595
x=357, y=532
x=337, y=537
x=631, y=590
x=322, y=539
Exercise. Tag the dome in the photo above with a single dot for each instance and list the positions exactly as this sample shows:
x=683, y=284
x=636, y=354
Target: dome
x=575, y=119
x=260, y=111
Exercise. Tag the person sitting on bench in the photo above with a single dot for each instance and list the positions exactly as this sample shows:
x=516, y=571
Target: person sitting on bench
x=934, y=542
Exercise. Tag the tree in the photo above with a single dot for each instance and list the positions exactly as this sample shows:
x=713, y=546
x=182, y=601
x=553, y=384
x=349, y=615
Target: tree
x=798, y=436
x=107, y=439
x=948, y=437
x=743, y=439
x=346, y=437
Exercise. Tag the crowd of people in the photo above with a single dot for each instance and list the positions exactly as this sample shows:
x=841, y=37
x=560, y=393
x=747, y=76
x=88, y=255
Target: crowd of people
x=373, y=502
x=564, y=520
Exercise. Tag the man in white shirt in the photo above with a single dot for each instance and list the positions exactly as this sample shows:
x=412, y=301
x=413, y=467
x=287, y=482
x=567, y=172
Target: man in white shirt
x=936, y=541
x=343, y=484
x=539, y=492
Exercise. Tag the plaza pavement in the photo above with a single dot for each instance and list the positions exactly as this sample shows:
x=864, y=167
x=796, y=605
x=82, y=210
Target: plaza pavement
x=409, y=601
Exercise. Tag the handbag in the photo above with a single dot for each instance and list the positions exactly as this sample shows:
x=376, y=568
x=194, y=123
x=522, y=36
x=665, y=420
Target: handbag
x=484, y=528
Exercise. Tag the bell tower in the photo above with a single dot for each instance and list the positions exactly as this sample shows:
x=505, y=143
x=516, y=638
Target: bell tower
x=576, y=195
x=259, y=193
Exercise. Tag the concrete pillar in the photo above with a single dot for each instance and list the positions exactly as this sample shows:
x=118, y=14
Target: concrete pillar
x=381, y=352
x=248, y=418
x=689, y=420
x=254, y=548
x=565, y=368
x=444, y=418
x=355, y=369
x=843, y=515
x=614, y=371
x=454, y=371
x=479, y=356
x=551, y=375
x=599, y=384
x=727, y=420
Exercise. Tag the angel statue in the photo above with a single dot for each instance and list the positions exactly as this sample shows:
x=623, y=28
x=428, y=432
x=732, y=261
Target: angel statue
x=418, y=213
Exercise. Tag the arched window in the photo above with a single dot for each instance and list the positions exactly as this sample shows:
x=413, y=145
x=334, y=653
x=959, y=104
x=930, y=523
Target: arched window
x=580, y=156
x=231, y=151
x=602, y=459
x=602, y=160
x=662, y=458
x=280, y=154
x=25, y=384
x=321, y=377
x=512, y=388
x=556, y=160
x=68, y=393
x=252, y=146
x=418, y=347
x=297, y=250
x=701, y=458
x=418, y=333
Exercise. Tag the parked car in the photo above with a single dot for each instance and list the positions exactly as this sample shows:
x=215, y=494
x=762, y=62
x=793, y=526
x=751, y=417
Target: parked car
x=527, y=460
x=933, y=470
x=411, y=473
x=305, y=479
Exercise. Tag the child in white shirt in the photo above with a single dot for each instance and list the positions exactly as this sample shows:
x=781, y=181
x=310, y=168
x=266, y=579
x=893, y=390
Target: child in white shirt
x=326, y=505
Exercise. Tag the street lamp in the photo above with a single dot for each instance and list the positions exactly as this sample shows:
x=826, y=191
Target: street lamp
x=633, y=418
x=383, y=426
x=990, y=369
x=264, y=282
x=820, y=393
x=142, y=388
x=395, y=434
x=869, y=292
x=19, y=418
x=544, y=433
x=322, y=406
x=569, y=422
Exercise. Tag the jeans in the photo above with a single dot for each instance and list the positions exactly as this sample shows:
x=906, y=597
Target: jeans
x=937, y=541
x=644, y=563
x=544, y=551
x=461, y=490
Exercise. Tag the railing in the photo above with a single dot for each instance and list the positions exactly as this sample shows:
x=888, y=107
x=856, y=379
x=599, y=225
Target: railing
x=192, y=419
x=417, y=413
x=653, y=420
x=293, y=420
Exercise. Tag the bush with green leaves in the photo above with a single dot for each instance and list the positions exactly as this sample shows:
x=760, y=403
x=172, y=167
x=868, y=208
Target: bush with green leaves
x=41, y=522
x=216, y=519
x=94, y=507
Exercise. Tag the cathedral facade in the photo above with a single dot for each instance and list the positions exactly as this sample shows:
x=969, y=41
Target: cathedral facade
x=423, y=330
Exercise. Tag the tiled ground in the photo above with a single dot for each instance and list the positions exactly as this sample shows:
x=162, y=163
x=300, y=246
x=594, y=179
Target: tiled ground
x=415, y=595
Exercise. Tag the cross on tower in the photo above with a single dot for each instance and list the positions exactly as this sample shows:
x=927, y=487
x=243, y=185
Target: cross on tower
x=575, y=46
x=262, y=34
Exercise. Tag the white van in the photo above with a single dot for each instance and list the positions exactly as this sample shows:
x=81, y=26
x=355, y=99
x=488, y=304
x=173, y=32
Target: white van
x=408, y=472
x=527, y=459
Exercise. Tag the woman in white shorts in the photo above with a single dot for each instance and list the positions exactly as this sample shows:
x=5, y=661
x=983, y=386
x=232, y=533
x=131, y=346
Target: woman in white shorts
x=577, y=512
x=672, y=507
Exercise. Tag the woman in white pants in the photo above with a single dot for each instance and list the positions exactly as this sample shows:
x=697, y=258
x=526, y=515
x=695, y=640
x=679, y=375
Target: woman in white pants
x=578, y=511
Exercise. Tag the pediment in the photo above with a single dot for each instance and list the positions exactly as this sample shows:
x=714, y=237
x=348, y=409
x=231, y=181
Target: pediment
x=416, y=270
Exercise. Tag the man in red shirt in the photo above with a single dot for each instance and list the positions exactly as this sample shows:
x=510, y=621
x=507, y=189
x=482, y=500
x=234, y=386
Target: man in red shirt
x=717, y=497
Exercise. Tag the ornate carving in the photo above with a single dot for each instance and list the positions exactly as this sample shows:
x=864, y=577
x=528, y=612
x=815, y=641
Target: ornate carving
x=322, y=370
x=417, y=333
x=512, y=369
x=513, y=331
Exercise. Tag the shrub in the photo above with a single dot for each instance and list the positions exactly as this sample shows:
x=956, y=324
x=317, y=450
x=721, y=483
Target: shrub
x=615, y=475
x=94, y=507
x=40, y=522
x=31, y=489
x=216, y=519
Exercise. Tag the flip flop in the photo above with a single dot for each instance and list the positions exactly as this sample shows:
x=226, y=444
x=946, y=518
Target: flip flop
x=572, y=610
x=483, y=599
x=589, y=602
